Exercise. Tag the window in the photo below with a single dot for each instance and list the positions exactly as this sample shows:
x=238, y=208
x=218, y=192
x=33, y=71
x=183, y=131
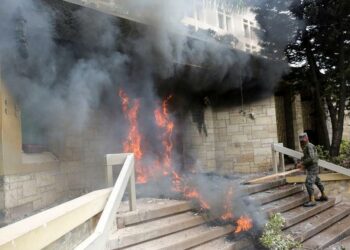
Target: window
x=34, y=134
x=254, y=50
x=247, y=48
x=228, y=23
x=254, y=33
x=246, y=30
x=221, y=20
x=200, y=12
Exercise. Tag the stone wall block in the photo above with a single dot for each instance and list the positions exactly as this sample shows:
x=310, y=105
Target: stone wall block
x=11, y=198
x=29, y=188
x=45, y=179
x=223, y=115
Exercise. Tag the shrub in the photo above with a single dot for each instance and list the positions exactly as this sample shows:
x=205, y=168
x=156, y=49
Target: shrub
x=344, y=155
x=273, y=238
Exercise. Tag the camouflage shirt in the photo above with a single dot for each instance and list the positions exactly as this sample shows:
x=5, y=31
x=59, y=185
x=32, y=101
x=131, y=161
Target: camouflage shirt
x=310, y=158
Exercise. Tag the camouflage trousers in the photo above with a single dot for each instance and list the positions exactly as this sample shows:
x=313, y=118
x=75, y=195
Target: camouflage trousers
x=311, y=179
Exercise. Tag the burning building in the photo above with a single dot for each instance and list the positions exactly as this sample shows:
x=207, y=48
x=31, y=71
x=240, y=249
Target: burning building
x=180, y=85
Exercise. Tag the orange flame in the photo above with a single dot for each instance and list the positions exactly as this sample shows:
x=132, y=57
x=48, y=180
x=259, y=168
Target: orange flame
x=134, y=138
x=244, y=223
x=163, y=121
x=163, y=166
x=191, y=193
x=176, y=181
x=133, y=141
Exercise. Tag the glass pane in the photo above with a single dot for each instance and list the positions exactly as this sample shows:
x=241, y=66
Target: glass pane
x=228, y=24
x=221, y=21
x=33, y=132
x=246, y=30
x=200, y=12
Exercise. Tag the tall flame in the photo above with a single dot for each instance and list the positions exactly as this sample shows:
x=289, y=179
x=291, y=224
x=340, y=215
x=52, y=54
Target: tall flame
x=163, y=121
x=133, y=141
x=163, y=165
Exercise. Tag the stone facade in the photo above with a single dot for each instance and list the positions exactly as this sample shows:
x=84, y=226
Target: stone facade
x=82, y=152
x=234, y=142
x=32, y=182
x=24, y=194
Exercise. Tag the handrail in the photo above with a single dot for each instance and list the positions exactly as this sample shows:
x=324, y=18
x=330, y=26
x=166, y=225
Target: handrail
x=295, y=154
x=98, y=240
x=46, y=227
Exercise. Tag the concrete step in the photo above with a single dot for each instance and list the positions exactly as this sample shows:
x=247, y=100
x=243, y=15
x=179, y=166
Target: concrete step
x=301, y=213
x=331, y=235
x=224, y=244
x=315, y=224
x=150, y=230
x=252, y=189
x=340, y=245
x=149, y=209
x=276, y=194
x=185, y=239
x=285, y=204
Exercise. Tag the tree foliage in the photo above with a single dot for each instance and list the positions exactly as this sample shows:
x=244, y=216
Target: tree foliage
x=314, y=36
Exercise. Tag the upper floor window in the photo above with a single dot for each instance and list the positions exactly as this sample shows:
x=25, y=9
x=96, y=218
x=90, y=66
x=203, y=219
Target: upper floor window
x=246, y=30
x=34, y=134
x=200, y=12
x=254, y=49
x=250, y=29
x=224, y=20
x=221, y=20
x=254, y=33
x=248, y=48
x=228, y=23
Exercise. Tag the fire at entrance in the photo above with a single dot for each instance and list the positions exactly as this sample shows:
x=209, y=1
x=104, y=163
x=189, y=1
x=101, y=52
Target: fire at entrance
x=164, y=166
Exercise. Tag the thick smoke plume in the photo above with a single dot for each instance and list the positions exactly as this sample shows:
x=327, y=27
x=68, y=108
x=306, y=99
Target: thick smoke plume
x=62, y=62
x=68, y=58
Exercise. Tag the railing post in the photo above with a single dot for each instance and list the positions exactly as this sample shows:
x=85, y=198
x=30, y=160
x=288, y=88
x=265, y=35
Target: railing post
x=110, y=175
x=281, y=159
x=274, y=162
x=132, y=188
x=126, y=177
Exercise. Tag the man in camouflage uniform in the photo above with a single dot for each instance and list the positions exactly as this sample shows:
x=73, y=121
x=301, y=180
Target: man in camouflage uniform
x=309, y=162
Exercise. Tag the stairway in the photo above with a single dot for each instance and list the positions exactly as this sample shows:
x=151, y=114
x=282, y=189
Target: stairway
x=172, y=224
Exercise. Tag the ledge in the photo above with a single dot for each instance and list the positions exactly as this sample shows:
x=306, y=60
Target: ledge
x=33, y=163
x=38, y=158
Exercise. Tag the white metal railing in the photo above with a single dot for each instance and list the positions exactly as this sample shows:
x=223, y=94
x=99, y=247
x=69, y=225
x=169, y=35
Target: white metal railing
x=98, y=240
x=278, y=148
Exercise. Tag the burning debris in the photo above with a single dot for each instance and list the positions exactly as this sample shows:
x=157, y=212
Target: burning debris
x=217, y=198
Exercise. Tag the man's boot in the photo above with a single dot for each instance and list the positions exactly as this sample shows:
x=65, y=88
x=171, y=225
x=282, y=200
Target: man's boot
x=323, y=197
x=311, y=202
